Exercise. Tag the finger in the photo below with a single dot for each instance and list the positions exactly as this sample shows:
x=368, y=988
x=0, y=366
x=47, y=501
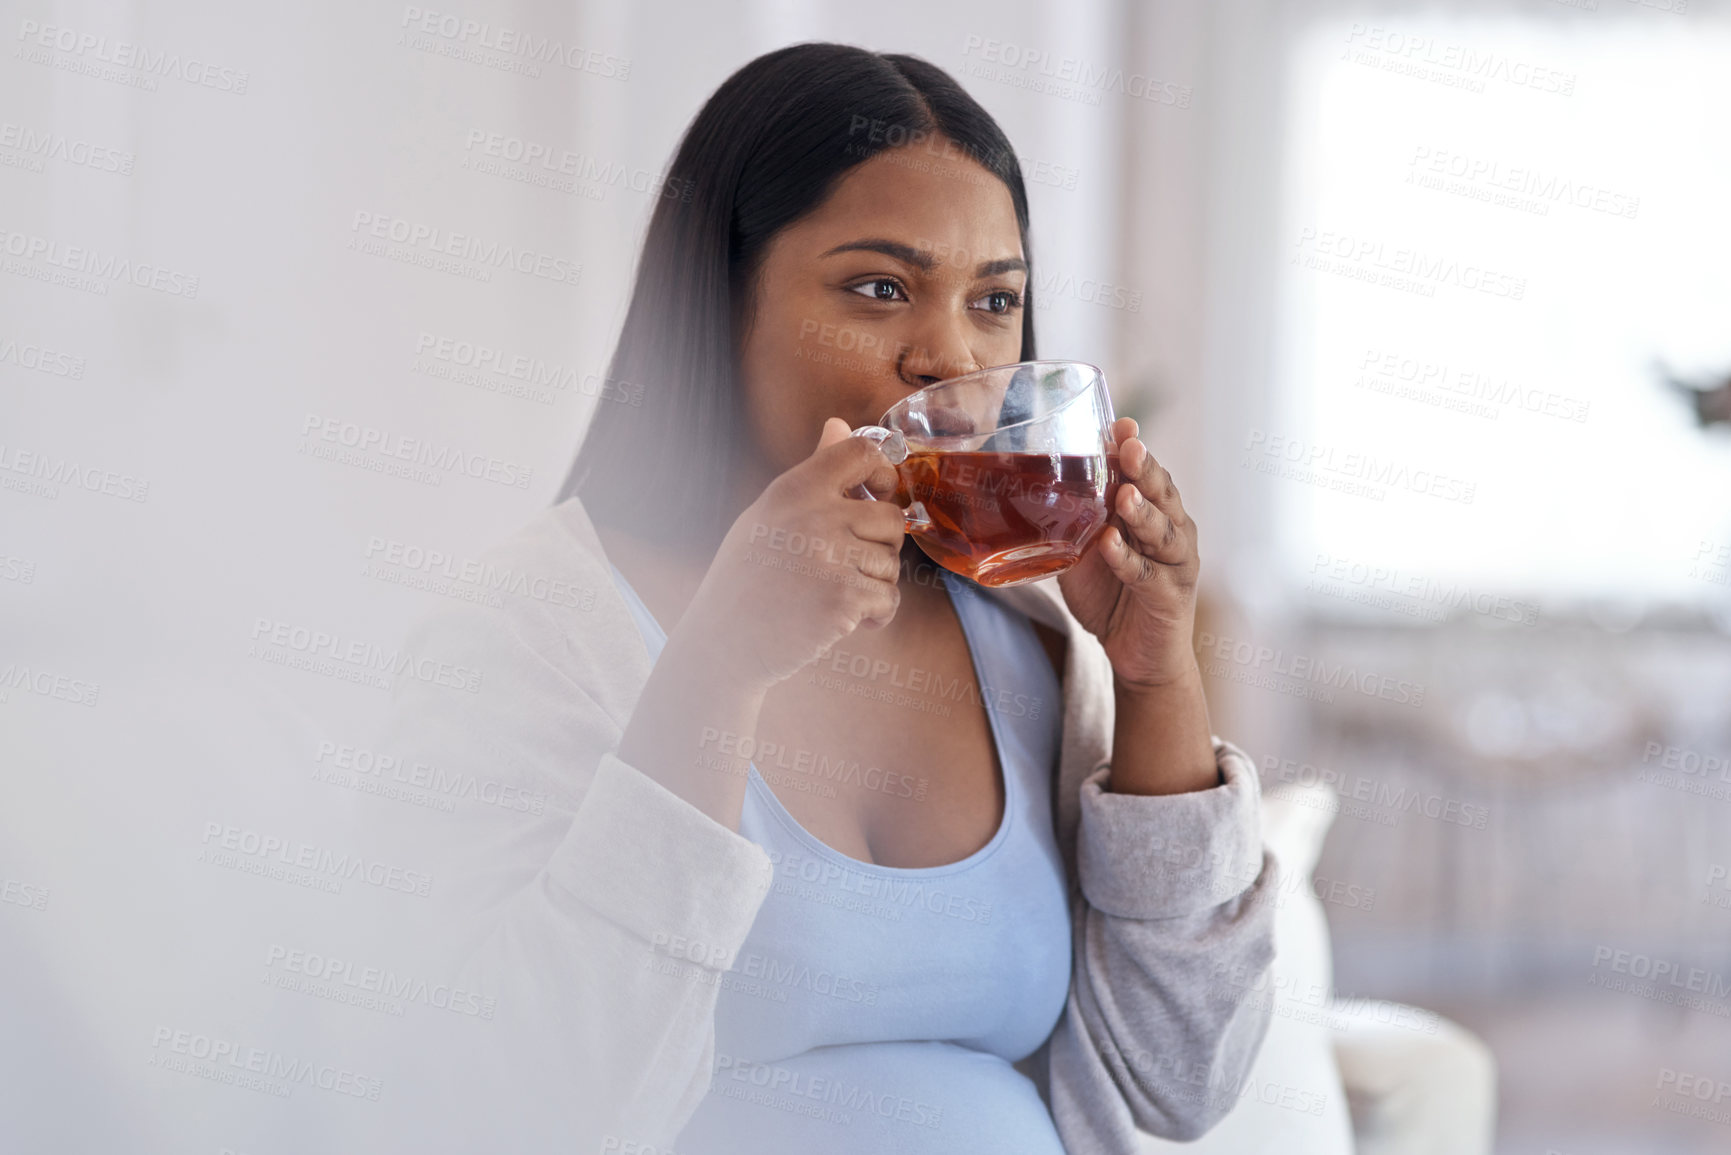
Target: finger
x=1149, y=530
x=1150, y=479
x=848, y=461
x=885, y=600
x=879, y=562
x=1126, y=564
x=883, y=481
x=878, y=522
x=834, y=430
x=1124, y=427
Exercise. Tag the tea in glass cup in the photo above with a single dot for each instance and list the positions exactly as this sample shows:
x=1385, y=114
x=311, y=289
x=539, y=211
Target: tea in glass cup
x=1008, y=473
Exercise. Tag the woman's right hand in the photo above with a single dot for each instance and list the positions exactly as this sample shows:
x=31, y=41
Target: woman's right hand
x=804, y=566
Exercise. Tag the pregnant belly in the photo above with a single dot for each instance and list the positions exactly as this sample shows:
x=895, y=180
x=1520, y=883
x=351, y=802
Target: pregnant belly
x=913, y=1098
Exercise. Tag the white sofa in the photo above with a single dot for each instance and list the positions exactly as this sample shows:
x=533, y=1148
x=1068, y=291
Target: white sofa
x=1336, y=1076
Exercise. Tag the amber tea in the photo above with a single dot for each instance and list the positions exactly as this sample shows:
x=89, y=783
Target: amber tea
x=1005, y=475
x=1006, y=518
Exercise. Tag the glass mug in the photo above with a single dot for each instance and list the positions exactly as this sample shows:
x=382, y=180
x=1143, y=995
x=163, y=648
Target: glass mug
x=1004, y=476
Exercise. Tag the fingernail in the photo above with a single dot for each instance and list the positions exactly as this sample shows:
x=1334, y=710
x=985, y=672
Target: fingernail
x=1135, y=496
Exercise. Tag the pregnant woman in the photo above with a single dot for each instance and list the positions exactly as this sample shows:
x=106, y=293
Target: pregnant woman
x=822, y=848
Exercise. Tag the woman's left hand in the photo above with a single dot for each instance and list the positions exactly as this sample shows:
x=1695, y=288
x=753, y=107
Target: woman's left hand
x=1137, y=592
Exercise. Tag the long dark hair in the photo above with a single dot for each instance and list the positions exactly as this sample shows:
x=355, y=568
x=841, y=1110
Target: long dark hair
x=765, y=150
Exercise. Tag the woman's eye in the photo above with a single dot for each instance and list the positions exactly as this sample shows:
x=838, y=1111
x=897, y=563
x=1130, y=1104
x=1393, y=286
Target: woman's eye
x=882, y=289
x=1001, y=301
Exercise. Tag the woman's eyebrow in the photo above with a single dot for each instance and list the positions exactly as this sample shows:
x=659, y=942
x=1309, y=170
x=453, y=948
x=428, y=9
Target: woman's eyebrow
x=1001, y=265
x=924, y=259
x=920, y=259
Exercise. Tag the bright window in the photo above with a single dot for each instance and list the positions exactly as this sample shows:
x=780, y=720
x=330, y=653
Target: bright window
x=1494, y=229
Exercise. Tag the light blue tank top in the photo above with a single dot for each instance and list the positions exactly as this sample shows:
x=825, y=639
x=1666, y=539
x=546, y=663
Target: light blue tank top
x=878, y=1009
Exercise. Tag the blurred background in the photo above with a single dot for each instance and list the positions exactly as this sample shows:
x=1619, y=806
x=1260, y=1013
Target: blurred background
x=1424, y=306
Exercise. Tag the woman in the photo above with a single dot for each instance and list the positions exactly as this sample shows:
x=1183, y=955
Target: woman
x=840, y=851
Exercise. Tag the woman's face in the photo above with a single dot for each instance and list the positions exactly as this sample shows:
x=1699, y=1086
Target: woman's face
x=912, y=271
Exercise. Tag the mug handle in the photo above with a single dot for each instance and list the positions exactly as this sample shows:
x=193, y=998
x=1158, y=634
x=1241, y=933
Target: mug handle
x=895, y=447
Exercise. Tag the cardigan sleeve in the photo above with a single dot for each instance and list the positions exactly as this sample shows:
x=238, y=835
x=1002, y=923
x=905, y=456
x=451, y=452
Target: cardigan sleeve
x=1173, y=931
x=588, y=908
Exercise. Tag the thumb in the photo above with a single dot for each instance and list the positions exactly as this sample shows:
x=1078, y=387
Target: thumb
x=834, y=430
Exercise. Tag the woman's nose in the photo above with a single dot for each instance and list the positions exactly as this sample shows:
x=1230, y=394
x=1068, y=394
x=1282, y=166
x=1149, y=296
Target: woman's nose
x=939, y=352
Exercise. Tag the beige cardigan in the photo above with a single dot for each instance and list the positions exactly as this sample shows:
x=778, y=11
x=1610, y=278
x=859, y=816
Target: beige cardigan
x=602, y=923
